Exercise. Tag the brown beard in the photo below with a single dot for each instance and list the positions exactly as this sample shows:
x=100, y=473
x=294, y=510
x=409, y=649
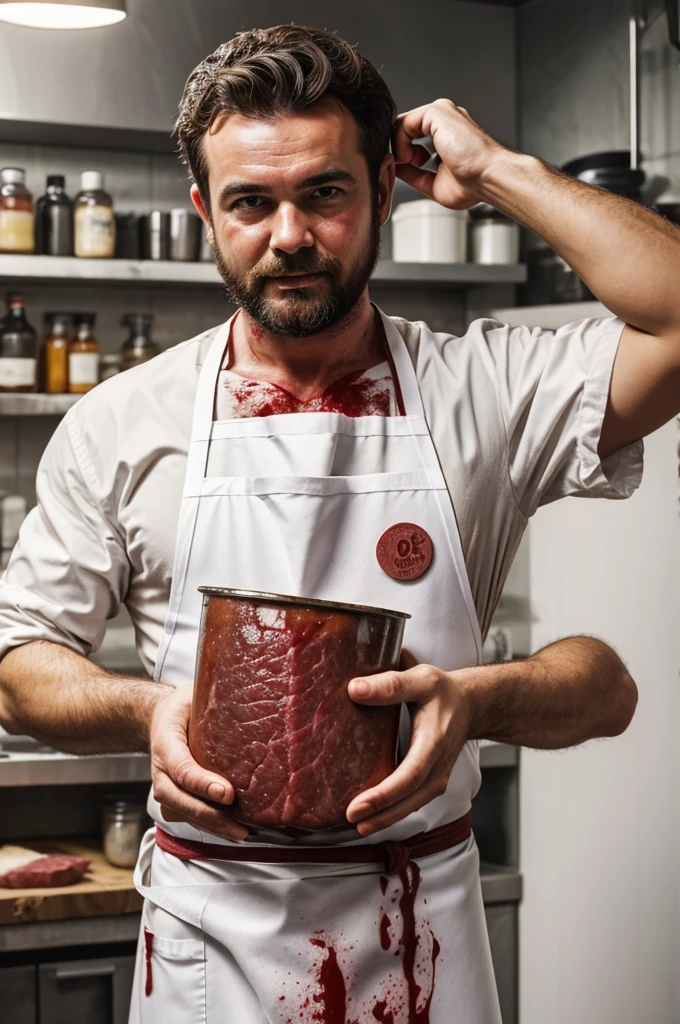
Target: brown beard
x=298, y=315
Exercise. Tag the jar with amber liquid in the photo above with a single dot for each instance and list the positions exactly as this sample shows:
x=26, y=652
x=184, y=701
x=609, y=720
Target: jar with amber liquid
x=58, y=329
x=18, y=349
x=83, y=355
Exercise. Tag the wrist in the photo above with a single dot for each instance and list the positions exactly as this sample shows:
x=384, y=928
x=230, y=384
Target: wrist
x=508, y=180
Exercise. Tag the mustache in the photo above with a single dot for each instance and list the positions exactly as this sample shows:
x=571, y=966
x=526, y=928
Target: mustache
x=304, y=261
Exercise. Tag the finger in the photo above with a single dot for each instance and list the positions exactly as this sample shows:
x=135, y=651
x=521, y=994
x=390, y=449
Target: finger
x=406, y=129
x=423, y=181
x=419, y=683
x=406, y=779
x=432, y=788
x=407, y=660
x=178, y=805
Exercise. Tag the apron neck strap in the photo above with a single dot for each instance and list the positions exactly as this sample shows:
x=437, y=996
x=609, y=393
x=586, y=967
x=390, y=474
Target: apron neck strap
x=405, y=380
x=207, y=382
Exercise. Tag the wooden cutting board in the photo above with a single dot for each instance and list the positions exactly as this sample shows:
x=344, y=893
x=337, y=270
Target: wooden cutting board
x=103, y=889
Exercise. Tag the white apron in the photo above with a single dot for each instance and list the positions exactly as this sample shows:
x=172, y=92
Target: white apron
x=295, y=504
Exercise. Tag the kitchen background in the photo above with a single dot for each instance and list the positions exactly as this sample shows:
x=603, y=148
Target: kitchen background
x=594, y=832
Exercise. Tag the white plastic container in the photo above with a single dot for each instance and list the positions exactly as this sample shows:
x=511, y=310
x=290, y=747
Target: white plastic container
x=494, y=237
x=425, y=232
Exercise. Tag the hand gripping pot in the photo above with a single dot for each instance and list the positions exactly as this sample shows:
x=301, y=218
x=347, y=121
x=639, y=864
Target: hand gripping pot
x=272, y=714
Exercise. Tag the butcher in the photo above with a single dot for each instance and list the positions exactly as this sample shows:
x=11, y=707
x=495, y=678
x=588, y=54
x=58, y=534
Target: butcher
x=273, y=453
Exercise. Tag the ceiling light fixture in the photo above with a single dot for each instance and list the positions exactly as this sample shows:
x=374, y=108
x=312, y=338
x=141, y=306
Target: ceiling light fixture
x=62, y=14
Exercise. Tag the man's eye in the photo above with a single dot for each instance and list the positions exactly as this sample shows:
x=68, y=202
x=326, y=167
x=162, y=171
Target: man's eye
x=327, y=192
x=249, y=203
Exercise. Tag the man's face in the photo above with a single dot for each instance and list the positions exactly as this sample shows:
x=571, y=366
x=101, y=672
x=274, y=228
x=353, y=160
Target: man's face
x=296, y=222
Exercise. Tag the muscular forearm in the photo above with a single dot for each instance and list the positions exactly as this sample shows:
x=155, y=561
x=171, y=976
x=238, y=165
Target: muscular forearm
x=574, y=690
x=628, y=256
x=61, y=698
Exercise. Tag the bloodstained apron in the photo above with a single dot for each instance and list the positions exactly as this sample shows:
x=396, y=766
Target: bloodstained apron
x=296, y=504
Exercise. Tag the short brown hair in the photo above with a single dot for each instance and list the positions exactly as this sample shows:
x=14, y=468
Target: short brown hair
x=264, y=73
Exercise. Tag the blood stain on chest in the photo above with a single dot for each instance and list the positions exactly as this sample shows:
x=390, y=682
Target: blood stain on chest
x=352, y=395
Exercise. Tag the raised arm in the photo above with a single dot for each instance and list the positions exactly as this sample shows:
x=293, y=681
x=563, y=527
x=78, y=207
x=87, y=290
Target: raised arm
x=628, y=256
x=575, y=690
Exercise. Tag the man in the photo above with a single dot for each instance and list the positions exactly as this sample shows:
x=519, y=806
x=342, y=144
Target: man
x=180, y=474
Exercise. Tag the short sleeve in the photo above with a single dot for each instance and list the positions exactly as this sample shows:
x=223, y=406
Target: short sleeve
x=68, y=572
x=553, y=388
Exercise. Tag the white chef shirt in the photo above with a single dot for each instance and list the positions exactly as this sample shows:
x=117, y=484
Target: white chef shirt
x=515, y=415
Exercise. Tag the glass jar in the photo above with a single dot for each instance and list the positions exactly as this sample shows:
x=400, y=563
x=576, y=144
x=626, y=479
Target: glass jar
x=284, y=794
x=109, y=366
x=138, y=347
x=123, y=824
x=95, y=224
x=58, y=328
x=18, y=349
x=16, y=212
x=83, y=355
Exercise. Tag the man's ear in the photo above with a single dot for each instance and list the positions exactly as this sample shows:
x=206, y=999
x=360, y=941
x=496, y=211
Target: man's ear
x=386, y=178
x=197, y=200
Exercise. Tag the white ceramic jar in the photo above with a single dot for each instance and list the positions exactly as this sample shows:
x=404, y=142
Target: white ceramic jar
x=425, y=232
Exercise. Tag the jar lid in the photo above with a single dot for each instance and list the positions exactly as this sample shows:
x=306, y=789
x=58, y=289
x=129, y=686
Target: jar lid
x=13, y=175
x=91, y=181
x=58, y=180
x=426, y=208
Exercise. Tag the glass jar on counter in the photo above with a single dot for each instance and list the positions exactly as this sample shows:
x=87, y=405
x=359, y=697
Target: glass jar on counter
x=123, y=824
x=58, y=329
x=83, y=355
x=138, y=346
x=16, y=212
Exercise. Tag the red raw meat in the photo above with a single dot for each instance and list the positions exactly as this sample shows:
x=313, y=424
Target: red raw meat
x=43, y=872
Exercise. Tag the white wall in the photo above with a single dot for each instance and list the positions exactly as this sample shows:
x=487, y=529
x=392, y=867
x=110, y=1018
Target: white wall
x=600, y=825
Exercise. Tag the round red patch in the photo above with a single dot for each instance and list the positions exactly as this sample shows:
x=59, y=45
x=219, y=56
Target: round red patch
x=404, y=551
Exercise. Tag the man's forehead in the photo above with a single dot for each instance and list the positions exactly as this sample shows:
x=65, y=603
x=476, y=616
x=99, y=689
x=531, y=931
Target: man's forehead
x=326, y=132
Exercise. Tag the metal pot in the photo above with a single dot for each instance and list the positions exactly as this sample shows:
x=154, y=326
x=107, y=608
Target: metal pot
x=271, y=711
x=185, y=235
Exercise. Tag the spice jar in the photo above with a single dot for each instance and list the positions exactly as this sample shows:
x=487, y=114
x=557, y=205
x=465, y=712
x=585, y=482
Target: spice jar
x=58, y=328
x=95, y=224
x=495, y=237
x=18, y=349
x=123, y=823
x=16, y=212
x=138, y=346
x=83, y=355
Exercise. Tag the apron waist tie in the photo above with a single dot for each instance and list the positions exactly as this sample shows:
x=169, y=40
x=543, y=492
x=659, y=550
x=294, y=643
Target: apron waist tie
x=395, y=856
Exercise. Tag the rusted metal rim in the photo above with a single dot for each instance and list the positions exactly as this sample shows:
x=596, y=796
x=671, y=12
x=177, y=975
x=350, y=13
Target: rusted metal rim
x=303, y=602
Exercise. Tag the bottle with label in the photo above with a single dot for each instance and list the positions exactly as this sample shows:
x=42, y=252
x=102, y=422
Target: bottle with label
x=83, y=355
x=18, y=349
x=54, y=219
x=138, y=346
x=95, y=223
x=16, y=212
x=58, y=327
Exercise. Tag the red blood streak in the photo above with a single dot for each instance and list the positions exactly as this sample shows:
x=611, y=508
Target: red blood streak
x=382, y=1014
x=148, y=950
x=333, y=995
x=410, y=880
x=385, y=932
x=383, y=884
x=352, y=395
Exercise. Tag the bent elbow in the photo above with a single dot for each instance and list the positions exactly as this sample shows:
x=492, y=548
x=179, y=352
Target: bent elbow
x=627, y=698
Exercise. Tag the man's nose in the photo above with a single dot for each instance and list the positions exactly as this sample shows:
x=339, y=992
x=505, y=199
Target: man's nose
x=290, y=229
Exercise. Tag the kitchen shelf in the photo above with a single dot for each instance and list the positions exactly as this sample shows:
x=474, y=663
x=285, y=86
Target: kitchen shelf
x=56, y=769
x=35, y=405
x=71, y=270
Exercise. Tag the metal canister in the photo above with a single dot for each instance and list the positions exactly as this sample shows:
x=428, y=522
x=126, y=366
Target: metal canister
x=154, y=233
x=185, y=235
